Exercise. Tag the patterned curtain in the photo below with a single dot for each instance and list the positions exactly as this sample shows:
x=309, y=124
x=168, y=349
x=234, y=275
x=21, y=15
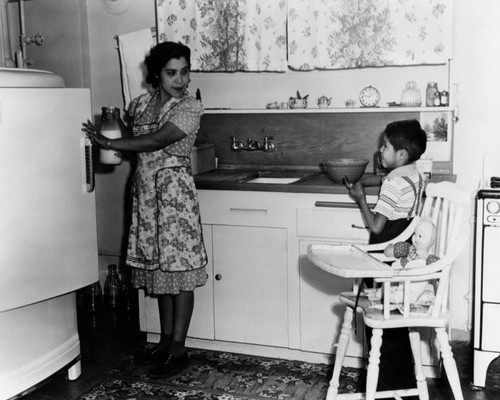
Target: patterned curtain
x=337, y=34
x=272, y=35
x=227, y=35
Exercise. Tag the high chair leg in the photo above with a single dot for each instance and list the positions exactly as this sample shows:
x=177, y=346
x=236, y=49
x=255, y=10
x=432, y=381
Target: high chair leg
x=449, y=363
x=373, y=364
x=423, y=392
x=345, y=335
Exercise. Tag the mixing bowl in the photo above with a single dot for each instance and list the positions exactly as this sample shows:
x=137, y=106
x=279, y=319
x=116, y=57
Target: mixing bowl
x=352, y=168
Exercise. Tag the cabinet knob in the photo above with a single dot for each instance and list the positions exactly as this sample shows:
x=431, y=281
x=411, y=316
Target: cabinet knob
x=218, y=277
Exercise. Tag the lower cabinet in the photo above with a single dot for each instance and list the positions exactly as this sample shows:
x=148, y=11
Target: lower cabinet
x=321, y=312
x=250, y=271
x=247, y=275
x=263, y=296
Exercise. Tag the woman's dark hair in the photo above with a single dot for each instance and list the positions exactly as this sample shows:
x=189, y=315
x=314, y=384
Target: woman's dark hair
x=407, y=135
x=160, y=55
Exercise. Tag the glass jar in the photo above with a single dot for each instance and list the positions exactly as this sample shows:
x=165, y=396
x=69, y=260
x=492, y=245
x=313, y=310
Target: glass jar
x=411, y=96
x=430, y=94
x=112, y=287
x=111, y=130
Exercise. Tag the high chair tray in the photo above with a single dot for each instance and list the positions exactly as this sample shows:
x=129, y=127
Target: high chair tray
x=347, y=261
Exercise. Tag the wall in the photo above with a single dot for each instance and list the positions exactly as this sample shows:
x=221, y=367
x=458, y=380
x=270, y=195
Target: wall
x=301, y=139
x=475, y=70
x=477, y=132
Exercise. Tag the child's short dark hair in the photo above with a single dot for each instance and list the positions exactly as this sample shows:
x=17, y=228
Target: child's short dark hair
x=407, y=135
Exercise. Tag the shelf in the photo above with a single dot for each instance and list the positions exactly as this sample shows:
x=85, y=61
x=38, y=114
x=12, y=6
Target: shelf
x=342, y=110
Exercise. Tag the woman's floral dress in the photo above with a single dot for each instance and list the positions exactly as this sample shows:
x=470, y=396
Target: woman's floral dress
x=165, y=247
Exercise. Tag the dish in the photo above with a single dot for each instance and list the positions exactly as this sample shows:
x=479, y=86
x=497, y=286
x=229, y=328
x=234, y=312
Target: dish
x=273, y=105
x=298, y=105
x=351, y=168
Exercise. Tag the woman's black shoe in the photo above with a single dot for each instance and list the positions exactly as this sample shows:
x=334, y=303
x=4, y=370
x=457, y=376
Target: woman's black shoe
x=151, y=354
x=170, y=366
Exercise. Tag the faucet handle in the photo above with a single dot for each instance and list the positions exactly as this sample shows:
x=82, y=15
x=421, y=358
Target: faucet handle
x=269, y=144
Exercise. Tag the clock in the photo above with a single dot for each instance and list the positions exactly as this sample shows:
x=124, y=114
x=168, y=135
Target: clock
x=369, y=97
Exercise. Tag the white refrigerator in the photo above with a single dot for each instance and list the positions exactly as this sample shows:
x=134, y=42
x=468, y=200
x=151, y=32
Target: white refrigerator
x=48, y=239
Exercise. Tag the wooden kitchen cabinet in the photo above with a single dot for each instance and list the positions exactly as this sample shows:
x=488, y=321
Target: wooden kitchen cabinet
x=321, y=312
x=250, y=294
x=247, y=283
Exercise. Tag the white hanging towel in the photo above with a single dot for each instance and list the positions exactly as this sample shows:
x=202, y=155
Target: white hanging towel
x=133, y=48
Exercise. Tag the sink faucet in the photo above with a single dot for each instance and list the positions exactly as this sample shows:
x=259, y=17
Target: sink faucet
x=268, y=145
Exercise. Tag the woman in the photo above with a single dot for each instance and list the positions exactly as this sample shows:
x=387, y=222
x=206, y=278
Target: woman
x=165, y=248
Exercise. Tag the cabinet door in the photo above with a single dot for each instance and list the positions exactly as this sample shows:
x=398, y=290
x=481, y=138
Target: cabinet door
x=321, y=312
x=202, y=321
x=250, y=290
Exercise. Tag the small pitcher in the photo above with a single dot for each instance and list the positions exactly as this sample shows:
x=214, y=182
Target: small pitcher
x=324, y=102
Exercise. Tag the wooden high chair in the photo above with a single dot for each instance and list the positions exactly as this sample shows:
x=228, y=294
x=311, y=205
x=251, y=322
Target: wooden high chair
x=448, y=207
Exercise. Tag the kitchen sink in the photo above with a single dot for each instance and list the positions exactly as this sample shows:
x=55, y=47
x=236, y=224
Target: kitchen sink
x=273, y=180
x=275, y=177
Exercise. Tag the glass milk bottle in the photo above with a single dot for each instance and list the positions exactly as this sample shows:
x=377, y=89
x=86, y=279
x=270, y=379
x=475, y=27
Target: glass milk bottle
x=111, y=130
x=112, y=287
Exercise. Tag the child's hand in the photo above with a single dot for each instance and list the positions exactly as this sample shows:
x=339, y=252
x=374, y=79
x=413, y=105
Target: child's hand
x=357, y=192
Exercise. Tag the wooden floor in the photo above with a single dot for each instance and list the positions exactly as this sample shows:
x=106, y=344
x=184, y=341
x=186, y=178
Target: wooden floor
x=111, y=336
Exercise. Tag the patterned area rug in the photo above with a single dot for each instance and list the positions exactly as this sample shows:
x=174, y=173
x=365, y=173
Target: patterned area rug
x=226, y=376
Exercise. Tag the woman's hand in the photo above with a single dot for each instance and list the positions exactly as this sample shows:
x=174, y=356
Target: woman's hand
x=95, y=136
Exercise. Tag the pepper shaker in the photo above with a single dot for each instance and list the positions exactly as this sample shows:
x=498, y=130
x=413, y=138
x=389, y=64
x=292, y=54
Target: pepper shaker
x=444, y=98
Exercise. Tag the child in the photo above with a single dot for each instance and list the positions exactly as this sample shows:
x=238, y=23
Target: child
x=401, y=189
x=398, y=202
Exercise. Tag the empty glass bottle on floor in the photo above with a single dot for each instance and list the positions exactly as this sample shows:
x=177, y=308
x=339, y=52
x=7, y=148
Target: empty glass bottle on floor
x=112, y=287
x=92, y=297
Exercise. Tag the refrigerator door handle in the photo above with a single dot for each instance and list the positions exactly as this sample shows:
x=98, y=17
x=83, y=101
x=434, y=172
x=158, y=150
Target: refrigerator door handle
x=88, y=179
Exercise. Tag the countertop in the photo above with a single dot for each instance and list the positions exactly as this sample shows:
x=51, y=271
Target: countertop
x=309, y=182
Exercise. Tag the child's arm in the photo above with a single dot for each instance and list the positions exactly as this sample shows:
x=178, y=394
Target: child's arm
x=375, y=221
x=371, y=180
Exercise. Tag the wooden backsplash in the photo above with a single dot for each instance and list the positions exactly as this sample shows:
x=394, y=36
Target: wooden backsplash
x=302, y=139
